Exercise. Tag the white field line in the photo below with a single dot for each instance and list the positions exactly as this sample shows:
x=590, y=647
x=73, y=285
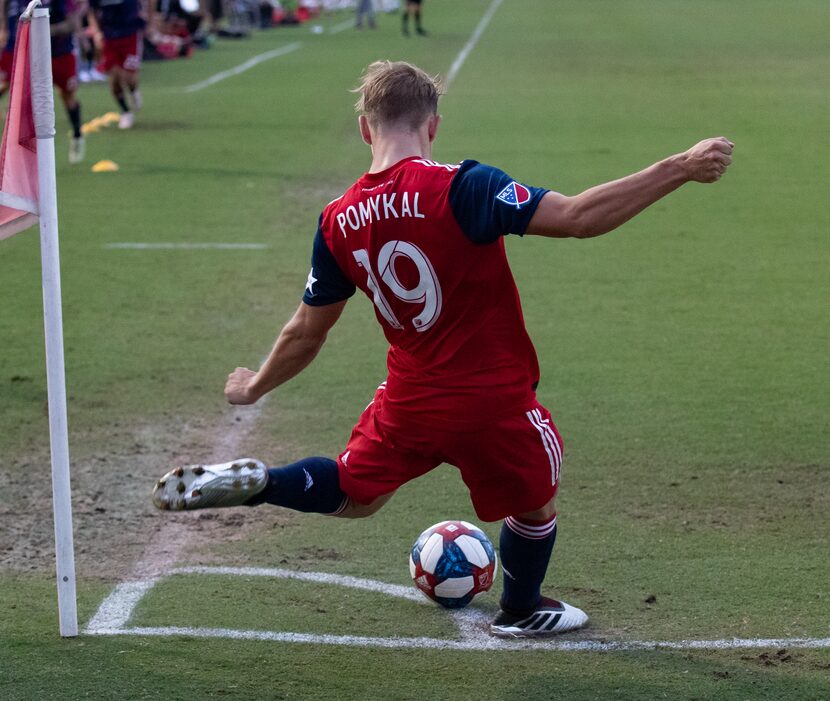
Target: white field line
x=189, y=246
x=340, y=27
x=471, y=44
x=116, y=609
x=242, y=67
x=491, y=644
x=115, y=612
x=317, y=577
x=336, y=29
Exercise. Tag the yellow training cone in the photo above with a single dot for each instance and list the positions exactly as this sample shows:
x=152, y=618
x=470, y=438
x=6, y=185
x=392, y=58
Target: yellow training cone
x=90, y=128
x=105, y=167
x=109, y=118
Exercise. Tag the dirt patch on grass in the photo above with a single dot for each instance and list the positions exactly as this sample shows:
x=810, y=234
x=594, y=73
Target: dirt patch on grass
x=117, y=531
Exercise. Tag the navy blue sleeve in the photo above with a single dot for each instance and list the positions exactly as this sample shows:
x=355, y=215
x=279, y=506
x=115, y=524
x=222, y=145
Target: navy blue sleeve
x=488, y=203
x=326, y=282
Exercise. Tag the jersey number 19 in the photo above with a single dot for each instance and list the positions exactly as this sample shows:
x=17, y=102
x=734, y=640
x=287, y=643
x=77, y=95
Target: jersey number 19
x=426, y=292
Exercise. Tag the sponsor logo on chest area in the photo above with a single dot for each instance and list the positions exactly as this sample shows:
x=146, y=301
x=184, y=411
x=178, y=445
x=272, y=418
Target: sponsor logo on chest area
x=395, y=205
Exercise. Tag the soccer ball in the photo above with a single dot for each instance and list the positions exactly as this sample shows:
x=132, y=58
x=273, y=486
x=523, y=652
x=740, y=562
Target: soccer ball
x=453, y=562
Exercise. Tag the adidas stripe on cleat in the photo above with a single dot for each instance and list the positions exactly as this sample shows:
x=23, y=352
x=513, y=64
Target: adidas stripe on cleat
x=550, y=617
x=205, y=486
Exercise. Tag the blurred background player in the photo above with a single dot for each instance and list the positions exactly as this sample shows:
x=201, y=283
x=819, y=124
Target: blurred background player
x=365, y=9
x=118, y=28
x=425, y=242
x=64, y=19
x=413, y=9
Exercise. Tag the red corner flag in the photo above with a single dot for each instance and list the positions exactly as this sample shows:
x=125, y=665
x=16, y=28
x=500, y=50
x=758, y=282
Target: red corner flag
x=18, y=153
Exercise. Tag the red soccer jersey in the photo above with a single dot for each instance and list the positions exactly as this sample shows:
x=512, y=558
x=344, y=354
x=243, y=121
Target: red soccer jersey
x=425, y=242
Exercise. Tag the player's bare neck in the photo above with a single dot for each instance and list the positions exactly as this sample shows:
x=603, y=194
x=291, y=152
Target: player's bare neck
x=392, y=146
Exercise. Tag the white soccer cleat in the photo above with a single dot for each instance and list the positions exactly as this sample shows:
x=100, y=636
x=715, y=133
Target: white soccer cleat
x=77, y=149
x=137, y=100
x=126, y=120
x=204, y=486
x=550, y=617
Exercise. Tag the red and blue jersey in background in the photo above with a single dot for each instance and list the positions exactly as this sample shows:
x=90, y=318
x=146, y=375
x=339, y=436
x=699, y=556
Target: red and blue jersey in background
x=59, y=10
x=425, y=242
x=118, y=18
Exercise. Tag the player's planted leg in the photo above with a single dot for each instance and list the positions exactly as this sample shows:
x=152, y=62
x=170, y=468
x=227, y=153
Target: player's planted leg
x=525, y=547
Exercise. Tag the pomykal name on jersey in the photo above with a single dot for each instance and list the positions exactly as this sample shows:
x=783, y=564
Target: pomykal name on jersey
x=378, y=208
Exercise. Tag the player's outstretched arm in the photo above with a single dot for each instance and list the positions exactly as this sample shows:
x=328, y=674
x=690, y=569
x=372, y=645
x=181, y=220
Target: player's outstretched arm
x=605, y=207
x=297, y=345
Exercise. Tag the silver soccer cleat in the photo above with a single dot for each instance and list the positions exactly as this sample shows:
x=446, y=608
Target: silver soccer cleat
x=550, y=617
x=205, y=486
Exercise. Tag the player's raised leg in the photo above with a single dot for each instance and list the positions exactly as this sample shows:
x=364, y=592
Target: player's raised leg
x=204, y=486
x=310, y=485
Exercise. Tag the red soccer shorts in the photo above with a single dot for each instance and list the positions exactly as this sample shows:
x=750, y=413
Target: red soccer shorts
x=511, y=466
x=6, y=59
x=64, y=70
x=124, y=52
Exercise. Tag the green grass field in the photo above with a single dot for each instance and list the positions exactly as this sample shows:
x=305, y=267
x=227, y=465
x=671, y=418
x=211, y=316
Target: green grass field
x=684, y=359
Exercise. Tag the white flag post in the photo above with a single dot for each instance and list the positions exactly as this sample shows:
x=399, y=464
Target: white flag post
x=43, y=104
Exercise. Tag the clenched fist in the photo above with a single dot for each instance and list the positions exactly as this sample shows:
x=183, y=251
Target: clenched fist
x=239, y=387
x=707, y=161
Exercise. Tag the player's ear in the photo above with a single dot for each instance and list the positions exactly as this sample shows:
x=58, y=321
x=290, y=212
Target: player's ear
x=432, y=126
x=365, y=132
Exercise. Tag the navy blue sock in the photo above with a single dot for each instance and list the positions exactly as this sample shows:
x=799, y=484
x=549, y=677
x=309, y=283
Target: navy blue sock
x=525, y=548
x=310, y=485
x=75, y=118
x=122, y=103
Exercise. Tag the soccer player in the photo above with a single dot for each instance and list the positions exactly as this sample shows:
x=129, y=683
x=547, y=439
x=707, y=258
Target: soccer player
x=365, y=8
x=117, y=27
x=412, y=9
x=64, y=23
x=425, y=242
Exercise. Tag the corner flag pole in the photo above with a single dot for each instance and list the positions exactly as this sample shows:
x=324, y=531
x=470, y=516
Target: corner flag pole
x=43, y=105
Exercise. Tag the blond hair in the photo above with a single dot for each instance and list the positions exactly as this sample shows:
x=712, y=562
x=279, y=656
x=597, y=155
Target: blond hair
x=396, y=92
